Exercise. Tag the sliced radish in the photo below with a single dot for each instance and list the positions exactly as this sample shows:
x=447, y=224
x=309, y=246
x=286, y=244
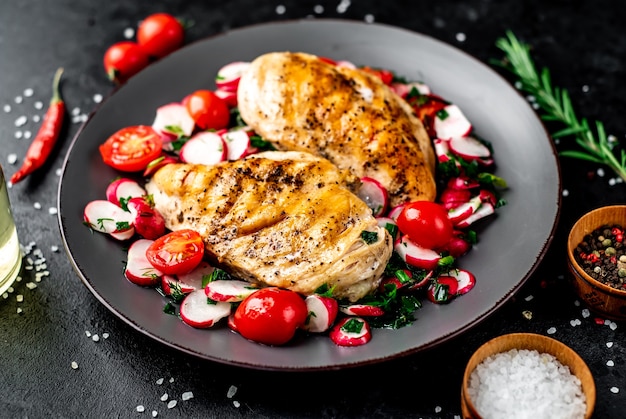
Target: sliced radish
x=138, y=269
x=465, y=280
x=124, y=235
x=346, y=64
x=442, y=150
x=173, y=287
x=482, y=212
x=416, y=255
x=156, y=164
x=451, y=198
x=442, y=289
x=198, y=311
x=230, y=97
x=388, y=224
x=404, y=89
x=421, y=283
x=351, y=331
x=228, y=76
x=463, y=211
x=229, y=291
x=237, y=144
x=451, y=123
x=487, y=196
x=197, y=278
x=374, y=195
x=173, y=119
x=395, y=212
x=322, y=313
x=457, y=246
x=106, y=217
x=390, y=281
x=469, y=148
x=364, y=310
x=462, y=182
x=123, y=188
x=148, y=222
x=204, y=148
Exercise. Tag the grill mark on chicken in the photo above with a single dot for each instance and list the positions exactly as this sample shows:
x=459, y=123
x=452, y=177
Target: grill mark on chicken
x=279, y=218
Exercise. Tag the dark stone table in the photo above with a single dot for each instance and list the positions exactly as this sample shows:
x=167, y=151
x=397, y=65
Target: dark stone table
x=60, y=322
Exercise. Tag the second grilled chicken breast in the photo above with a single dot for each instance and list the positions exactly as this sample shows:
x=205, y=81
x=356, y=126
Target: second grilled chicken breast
x=285, y=219
x=299, y=102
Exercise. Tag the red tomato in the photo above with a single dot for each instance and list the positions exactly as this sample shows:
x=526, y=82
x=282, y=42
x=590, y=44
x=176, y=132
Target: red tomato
x=132, y=148
x=426, y=223
x=207, y=109
x=270, y=316
x=123, y=60
x=178, y=252
x=385, y=76
x=160, y=34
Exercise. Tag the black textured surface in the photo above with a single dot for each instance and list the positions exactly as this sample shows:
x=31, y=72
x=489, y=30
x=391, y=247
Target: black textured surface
x=580, y=41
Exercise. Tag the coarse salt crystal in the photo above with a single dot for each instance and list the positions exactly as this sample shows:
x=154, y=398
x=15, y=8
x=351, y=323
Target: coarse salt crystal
x=36, y=118
x=37, y=205
x=28, y=92
x=343, y=5
x=75, y=111
x=38, y=105
x=97, y=98
x=21, y=121
x=52, y=211
x=565, y=192
x=19, y=99
x=171, y=404
x=31, y=285
x=19, y=310
x=159, y=381
x=369, y=18
x=7, y=108
x=614, y=390
x=164, y=397
x=12, y=158
x=129, y=33
x=95, y=338
x=5, y=295
x=600, y=172
x=529, y=298
x=140, y=408
x=87, y=333
x=585, y=88
x=461, y=37
x=54, y=248
x=18, y=134
x=105, y=335
x=551, y=330
x=610, y=363
x=171, y=379
x=154, y=413
x=609, y=344
x=280, y=9
x=74, y=365
x=437, y=409
x=236, y=403
x=585, y=313
x=19, y=298
x=232, y=390
x=613, y=325
x=187, y=396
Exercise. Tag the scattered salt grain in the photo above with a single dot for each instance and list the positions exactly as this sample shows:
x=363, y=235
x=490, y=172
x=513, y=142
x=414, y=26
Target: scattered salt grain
x=188, y=395
x=343, y=5
x=529, y=298
x=140, y=408
x=31, y=285
x=318, y=8
x=129, y=33
x=74, y=365
x=154, y=413
x=171, y=379
x=528, y=315
x=551, y=330
x=19, y=298
x=369, y=18
x=19, y=310
x=52, y=210
x=58, y=171
x=37, y=205
x=87, y=333
x=437, y=409
x=105, y=335
x=585, y=313
x=10, y=290
x=232, y=390
x=75, y=111
x=538, y=382
x=610, y=363
x=565, y=192
x=164, y=397
x=97, y=98
x=613, y=325
x=171, y=404
x=5, y=295
x=612, y=182
x=236, y=403
x=28, y=92
x=27, y=134
x=159, y=381
x=18, y=134
x=280, y=9
x=585, y=88
x=575, y=322
x=600, y=172
x=461, y=37
x=38, y=105
x=54, y=248
x=18, y=278
x=95, y=338
x=19, y=99
x=21, y=121
x=609, y=344
x=12, y=158
x=7, y=108
x=614, y=390
x=36, y=118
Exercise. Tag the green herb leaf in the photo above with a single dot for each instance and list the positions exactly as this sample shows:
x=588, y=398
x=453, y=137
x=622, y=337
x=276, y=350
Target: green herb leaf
x=369, y=237
x=169, y=308
x=352, y=326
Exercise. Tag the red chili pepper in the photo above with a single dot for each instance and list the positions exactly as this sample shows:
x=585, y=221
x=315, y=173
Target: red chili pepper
x=47, y=135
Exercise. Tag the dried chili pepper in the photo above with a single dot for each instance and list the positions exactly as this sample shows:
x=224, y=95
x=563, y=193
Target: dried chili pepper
x=47, y=135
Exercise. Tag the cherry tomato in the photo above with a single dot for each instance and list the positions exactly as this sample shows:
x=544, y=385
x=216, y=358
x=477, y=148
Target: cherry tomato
x=207, y=109
x=160, y=34
x=132, y=148
x=270, y=316
x=385, y=76
x=123, y=60
x=426, y=223
x=178, y=252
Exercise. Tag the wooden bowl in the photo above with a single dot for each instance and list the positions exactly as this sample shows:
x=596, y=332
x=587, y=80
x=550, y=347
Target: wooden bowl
x=530, y=341
x=602, y=299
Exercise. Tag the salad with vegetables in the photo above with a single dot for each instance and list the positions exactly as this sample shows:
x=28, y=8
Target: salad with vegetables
x=205, y=128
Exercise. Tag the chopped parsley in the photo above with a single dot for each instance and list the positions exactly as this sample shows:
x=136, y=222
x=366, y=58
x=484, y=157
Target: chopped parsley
x=352, y=326
x=169, y=308
x=369, y=237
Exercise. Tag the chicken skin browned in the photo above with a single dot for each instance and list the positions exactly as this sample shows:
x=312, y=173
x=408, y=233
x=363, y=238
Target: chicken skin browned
x=299, y=102
x=285, y=219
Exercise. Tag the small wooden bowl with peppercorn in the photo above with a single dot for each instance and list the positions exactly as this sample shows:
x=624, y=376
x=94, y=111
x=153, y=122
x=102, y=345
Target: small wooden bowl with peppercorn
x=596, y=253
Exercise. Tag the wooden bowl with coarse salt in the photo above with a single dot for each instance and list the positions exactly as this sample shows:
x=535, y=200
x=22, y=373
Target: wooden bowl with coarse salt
x=602, y=299
x=527, y=375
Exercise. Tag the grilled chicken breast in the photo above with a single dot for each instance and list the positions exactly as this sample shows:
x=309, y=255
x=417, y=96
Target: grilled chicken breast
x=285, y=219
x=299, y=102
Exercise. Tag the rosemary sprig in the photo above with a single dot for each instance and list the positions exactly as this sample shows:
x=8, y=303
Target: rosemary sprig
x=556, y=106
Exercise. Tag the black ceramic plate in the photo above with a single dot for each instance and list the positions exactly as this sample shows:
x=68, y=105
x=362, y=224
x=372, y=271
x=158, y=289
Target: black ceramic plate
x=510, y=246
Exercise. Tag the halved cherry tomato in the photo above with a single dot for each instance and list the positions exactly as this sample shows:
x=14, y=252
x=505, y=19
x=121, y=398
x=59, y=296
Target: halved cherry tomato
x=132, y=148
x=385, y=76
x=177, y=252
x=270, y=316
x=207, y=109
x=160, y=34
x=426, y=223
x=123, y=60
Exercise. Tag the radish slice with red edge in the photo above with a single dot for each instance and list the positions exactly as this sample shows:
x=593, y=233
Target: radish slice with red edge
x=138, y=269
x=374, y=195
x=229, y=291
x=106, y=217
x=442, y=150
x=363, y=310
x=485, y=210
x=404, y=89
x=450, y=122
x=395, y=212
x=469, y=148
x=124, y=235
x=230, y=97
x=465, y=280
x=229, y=75
x=174, y=288
x=198, y=311
x=157, y=163
x=388, y=224
x=148, y=222
x=451, y=198
x=123, y=188
x=351, y=331
x=462, y=182
x=346, y=64
x=322, y=313
x=463, y=211
x=198, y=277
x=442, y=289
x=237, y=144
x=421, y=283
x=416, y=255
x=172, y=120
x=204, y=148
